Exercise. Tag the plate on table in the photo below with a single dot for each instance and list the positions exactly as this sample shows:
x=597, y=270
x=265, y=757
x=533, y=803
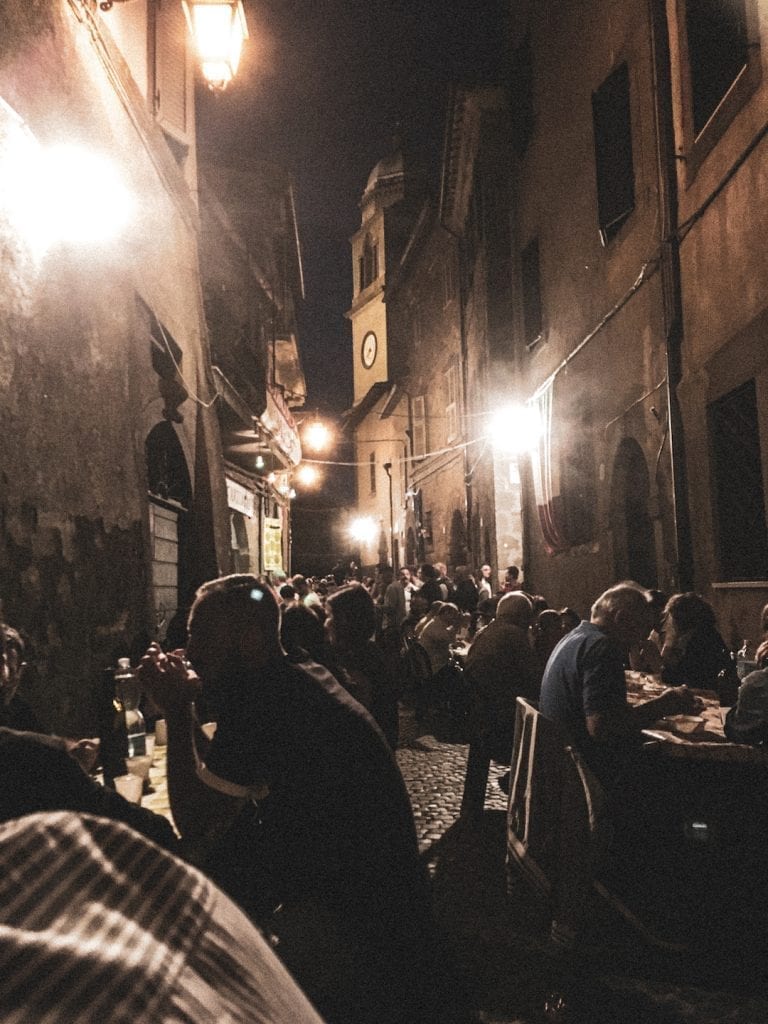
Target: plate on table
x=685, y=724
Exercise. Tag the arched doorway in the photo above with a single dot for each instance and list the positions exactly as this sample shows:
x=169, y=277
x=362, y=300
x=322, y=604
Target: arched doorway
x=170, y=502
x=634, y=551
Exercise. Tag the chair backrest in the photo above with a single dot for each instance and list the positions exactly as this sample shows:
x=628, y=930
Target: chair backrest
x=536, y=783
x=416, y=660
x=556, y=822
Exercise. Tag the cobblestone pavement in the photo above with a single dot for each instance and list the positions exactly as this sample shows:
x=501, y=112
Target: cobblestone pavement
x=499, y=943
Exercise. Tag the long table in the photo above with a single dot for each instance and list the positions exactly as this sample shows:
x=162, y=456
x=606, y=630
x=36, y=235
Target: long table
x=698, y=737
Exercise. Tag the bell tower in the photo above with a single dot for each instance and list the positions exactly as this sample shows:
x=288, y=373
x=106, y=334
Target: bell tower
x=371, y=256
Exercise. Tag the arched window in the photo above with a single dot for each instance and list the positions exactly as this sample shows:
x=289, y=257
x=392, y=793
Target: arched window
x=170, y=498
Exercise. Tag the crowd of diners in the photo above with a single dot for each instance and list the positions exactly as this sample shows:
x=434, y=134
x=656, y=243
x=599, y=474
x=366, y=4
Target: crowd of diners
x=293, y=819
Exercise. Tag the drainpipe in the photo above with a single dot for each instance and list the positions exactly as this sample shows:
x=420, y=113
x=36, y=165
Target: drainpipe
x=672, y=286
x=393, y=560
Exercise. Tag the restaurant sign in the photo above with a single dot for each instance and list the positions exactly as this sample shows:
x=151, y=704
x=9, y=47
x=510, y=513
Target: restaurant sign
x=240, y=499
x=281, y=426
x=273, y=545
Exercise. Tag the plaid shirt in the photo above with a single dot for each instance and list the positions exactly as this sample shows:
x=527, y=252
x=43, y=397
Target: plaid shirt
x=99, y=924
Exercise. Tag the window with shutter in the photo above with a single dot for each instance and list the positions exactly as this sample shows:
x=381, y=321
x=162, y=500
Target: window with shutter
x=717, y=52
x=614, y=168
x=419, y=426
x=452, y=403
x=531, y=282
x=172, y=108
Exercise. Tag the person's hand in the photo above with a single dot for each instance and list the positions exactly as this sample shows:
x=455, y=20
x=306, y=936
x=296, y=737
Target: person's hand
x=167, y=679
x=85, y=752
x=681, y=701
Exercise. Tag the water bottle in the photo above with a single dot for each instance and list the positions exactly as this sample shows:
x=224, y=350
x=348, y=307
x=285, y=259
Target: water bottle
x=128, y=694
x=744, y=662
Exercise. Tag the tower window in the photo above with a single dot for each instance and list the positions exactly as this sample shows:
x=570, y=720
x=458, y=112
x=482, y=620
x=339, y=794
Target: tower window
x=372, y=471
x=369, y=262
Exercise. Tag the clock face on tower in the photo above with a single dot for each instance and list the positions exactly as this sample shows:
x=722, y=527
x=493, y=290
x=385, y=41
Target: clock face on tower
x=368, y=350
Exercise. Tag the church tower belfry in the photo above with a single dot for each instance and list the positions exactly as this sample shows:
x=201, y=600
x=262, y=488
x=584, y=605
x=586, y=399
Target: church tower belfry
x=373, y=252
x=379, y=417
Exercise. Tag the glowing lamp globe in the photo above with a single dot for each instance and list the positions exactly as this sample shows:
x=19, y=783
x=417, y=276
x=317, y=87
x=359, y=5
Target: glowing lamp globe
x=219, y=29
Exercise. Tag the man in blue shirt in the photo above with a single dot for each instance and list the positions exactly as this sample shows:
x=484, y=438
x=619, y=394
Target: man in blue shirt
x=584, y=690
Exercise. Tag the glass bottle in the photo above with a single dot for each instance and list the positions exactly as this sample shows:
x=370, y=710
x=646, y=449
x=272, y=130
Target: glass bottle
x=128, y=694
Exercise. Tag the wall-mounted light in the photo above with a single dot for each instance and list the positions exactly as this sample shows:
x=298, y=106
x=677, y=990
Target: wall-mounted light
x=219, y=30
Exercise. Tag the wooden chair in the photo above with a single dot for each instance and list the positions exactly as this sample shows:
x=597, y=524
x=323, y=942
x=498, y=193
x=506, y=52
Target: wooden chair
x=558, y=830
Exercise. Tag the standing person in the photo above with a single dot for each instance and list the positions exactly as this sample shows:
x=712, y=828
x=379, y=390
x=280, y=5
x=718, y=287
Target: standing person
x=408, y=585
x=430, y=587
x=485, y=583
x=391, y=611
x=465, y=591
x=511, y=579
x=299, y=803
x=444, y=582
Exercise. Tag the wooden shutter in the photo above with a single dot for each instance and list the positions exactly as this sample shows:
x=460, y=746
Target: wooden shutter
x=172, y=107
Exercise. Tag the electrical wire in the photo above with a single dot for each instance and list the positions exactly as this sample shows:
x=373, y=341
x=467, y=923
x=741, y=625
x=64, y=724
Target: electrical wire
x=448, y=449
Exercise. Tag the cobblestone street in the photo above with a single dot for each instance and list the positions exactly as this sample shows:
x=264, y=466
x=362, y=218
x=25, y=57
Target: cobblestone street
x=499, y=942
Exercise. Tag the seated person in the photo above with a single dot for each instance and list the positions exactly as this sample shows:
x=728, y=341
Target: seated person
x=302, y=634
x=41, y=773
x=15, y=712
x=112, y=928
x=438, y=634
x=584, y=687
x=500, y=668
x=547, y=632
x=351, y=624
x=297, y=802
x=694, y=653
x=569, y=619
x=646, y=656
x=747, y=721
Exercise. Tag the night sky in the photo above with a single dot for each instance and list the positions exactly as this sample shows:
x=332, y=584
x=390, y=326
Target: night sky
x=320, y=90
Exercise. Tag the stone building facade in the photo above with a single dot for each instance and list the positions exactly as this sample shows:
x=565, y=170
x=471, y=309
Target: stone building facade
x=641, y=296
x=113, y=497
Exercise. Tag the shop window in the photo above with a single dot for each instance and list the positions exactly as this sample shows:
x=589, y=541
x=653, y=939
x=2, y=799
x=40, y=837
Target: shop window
x=739, y=493
x=614, y=169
